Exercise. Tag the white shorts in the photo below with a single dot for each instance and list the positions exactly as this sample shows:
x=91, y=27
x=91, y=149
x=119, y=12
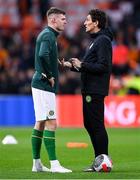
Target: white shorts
x=44, y=104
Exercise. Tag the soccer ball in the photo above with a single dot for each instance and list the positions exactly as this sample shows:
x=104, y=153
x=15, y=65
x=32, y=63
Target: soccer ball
x=103, y=163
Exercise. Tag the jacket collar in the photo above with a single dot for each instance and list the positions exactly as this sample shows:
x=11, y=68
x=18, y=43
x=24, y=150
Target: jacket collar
x=106, y=31
x=94, y=35
x=53, y=30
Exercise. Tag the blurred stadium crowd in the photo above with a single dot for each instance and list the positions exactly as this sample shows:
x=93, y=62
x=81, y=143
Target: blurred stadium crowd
x=21, y=21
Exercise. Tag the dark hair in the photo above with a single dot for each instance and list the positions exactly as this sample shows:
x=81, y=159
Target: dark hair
x=54, y=10
x=100, y=16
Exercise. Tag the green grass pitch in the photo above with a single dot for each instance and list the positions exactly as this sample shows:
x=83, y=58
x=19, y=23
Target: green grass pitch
x=16, y=160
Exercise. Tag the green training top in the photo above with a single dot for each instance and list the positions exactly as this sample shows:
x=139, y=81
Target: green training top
x=46, y=60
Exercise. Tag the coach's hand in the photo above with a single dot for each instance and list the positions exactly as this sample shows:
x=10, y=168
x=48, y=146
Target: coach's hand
x=76, y=62
x=51, y=81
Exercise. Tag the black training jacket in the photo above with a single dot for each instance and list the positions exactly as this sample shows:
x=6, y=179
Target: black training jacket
x=97, y=64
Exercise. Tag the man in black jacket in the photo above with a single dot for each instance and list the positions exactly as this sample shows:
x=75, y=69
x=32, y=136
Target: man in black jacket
x=95, y=71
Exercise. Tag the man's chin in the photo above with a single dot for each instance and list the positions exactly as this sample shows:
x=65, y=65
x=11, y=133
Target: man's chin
x=60, y=30
x=87, y=30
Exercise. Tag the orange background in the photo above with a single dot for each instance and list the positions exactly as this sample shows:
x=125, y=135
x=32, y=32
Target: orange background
x=120, y=111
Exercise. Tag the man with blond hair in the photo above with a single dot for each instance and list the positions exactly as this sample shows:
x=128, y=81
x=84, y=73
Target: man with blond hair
x=44, y=87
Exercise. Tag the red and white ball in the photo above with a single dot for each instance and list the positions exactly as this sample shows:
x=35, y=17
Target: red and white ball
x=103, y=163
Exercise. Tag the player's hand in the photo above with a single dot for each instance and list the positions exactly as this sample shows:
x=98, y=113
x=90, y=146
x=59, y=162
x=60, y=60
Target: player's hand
x=76, y=62
x=64, y=63
x=51, y=81
x=67, y=64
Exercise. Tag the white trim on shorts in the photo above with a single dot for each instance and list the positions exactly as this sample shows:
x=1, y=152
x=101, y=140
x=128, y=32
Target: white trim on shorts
x=44, y=104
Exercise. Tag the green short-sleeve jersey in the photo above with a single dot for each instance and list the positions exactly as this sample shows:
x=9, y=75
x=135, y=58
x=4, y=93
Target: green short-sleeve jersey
x=46, y=62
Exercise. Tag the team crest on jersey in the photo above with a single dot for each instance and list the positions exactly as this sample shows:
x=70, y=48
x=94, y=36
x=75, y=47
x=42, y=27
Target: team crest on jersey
x=51, y=113
x=88, y=99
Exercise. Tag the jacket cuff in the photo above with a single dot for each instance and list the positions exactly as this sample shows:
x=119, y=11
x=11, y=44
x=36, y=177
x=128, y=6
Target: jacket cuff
x=82, y=66
x=49, y=76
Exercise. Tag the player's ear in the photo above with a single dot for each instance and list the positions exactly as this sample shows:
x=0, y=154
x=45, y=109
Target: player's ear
x=53, y=20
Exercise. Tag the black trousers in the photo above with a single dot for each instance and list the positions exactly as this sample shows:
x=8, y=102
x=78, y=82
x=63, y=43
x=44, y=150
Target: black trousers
x=93, y=112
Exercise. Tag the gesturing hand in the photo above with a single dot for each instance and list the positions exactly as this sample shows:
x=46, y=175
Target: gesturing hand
x=64, y=63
